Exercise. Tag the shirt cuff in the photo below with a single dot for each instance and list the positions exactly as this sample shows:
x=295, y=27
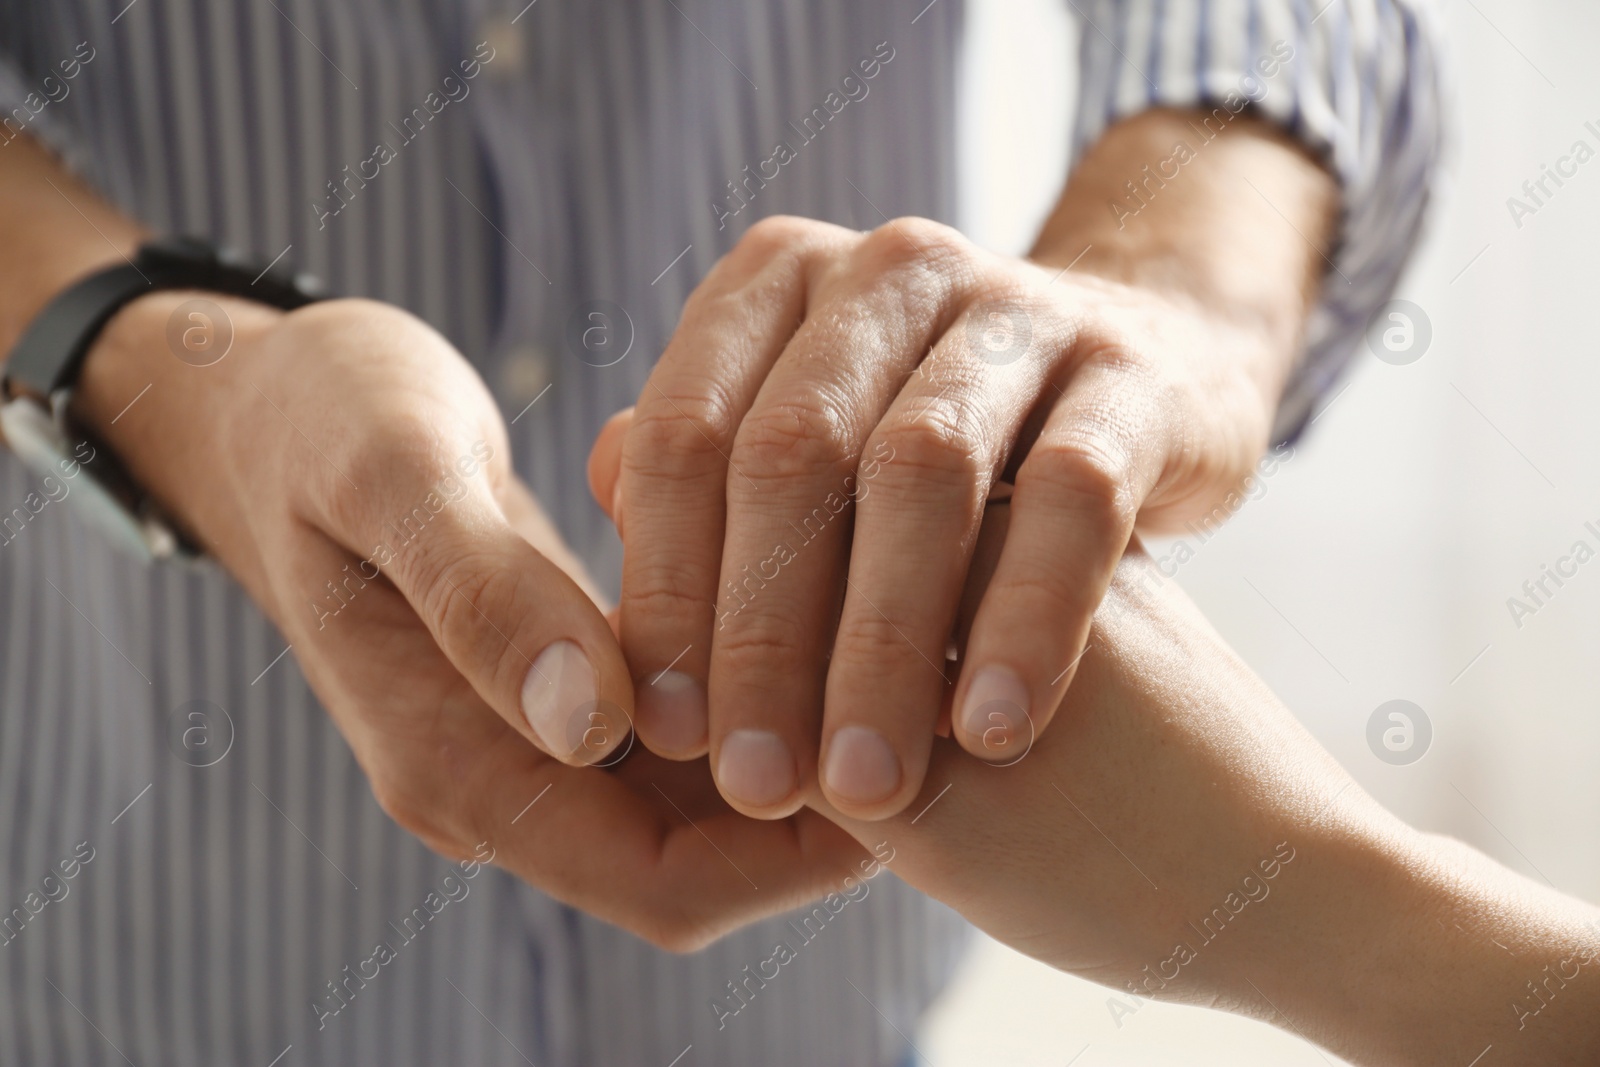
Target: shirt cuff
x=1355, y=81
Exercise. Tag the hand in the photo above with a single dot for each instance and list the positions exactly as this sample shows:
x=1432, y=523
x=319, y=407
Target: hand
x=826, y=427
x=351, y=471
x=1179, y=836
x=831, y=396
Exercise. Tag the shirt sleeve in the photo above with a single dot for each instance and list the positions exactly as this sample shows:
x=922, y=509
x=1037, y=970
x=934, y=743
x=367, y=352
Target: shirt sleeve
x=1356, y=81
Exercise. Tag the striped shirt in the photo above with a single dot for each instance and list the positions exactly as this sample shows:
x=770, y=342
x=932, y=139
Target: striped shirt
x=153, y=910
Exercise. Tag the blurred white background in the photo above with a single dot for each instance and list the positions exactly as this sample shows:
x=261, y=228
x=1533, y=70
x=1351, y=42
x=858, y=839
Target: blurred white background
x=1422, y=499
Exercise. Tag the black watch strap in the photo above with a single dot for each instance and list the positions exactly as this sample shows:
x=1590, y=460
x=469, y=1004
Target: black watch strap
x=50, y=354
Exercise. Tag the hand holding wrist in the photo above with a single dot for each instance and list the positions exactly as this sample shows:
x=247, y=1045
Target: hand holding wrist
x=348, y=466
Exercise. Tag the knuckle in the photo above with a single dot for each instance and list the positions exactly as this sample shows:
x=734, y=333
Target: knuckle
x=1104, y=344
x=777, y=235
x=1012, y=298
x=676, y=436
x=940, y=444
x=769, y=260
x=1087, y=473
x=381, y=476
x=870, y=638
x=656, y=598
x=451, y=588
x=760, y=645
x=459, y=597
x=1005, y=322
x=716, y=317
x=795, y=438
x=408, y=441
x=913, y=243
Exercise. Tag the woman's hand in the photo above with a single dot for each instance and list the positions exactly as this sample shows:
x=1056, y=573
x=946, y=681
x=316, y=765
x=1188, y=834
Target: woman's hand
x=1178, y=835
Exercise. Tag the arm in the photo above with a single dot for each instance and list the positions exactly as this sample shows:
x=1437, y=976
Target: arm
x=49, y=243
x=1136, y=388
x=1356, y=83
x=350, y=470
x=1123, y=374
x=1239, y=231
x=1177, y=835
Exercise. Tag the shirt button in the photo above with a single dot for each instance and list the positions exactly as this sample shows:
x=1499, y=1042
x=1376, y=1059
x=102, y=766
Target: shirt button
x=524, y=374
x=510, y=48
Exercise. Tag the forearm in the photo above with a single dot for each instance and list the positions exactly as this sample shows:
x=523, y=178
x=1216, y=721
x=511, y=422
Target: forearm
x=1176, y=834
x=53, y=231
x=1414, y=949
x=1238, y=225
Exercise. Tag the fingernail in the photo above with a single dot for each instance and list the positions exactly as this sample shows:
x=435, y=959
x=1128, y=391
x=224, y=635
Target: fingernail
x=559, y=687
x=672, y=712
x=755, y=768
x=861, y=767
x=616, y=507
x=994, y=714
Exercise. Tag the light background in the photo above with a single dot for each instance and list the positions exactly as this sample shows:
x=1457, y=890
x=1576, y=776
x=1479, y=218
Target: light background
x=1423, y=498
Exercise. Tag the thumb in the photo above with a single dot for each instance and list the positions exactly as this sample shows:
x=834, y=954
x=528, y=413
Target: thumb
x=530, y=641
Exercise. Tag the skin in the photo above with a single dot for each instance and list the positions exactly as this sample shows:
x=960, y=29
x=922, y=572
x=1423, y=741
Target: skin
x=805, y=473
x=289, y=460
x=1173, y=778
x=1170, y=761
x=1174, y=788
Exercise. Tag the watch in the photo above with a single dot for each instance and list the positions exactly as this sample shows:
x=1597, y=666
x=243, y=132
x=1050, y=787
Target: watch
x=42, y=372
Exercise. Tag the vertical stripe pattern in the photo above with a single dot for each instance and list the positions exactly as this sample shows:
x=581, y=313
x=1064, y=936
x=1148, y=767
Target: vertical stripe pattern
x=1360, y=88
x=592, y=160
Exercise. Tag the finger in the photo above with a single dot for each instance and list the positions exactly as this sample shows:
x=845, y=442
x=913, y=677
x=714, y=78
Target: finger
x=675, y=470
x=523, y=512
x=496, y=798
x=678, y=883
x=1078, y=491
x=980, y=569
x=526, y=636
x=605, y=465
x=923, y=483
x=801, y=462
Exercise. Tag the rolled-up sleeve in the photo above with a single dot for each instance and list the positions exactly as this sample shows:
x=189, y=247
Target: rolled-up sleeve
x=1356, y=81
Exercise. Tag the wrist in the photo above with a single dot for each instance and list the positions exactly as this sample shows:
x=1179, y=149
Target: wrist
x=159, y=386
x=1238, y=233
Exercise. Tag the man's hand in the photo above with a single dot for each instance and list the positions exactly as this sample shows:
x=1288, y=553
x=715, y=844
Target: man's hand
x=350, y=469
x=805, y=473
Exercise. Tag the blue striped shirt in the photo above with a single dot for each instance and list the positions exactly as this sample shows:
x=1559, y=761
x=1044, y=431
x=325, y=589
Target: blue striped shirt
x=155, y=911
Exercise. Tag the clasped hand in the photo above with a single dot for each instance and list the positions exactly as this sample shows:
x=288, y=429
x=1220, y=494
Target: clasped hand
x=832, y=413
x=801, y=486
